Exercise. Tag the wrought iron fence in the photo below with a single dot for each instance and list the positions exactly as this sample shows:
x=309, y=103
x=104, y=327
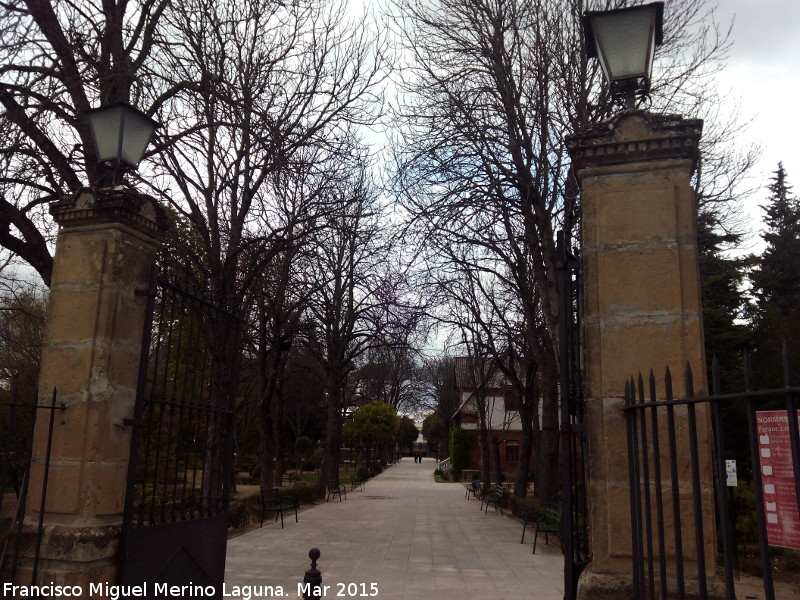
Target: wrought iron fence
x=179, y=474
x=662, y=528
x=575, y=515
x=17, y=422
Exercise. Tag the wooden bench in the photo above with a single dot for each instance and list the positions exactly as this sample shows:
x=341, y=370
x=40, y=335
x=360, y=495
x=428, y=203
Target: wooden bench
x=547, y=521
x=356, y=482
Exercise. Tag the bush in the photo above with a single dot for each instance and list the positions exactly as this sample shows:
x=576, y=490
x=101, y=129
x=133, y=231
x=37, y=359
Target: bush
x=792, y=561
x=308, y=465
x=362, y=473
x=244, y=510
x=520, y=506
x=374, y=468
x=459, y=449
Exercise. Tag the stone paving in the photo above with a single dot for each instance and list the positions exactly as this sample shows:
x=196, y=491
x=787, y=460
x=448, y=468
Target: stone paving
x=407, y=535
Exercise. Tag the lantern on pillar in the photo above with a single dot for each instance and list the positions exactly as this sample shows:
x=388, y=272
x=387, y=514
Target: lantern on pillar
x=624, y=41
x=120, y=134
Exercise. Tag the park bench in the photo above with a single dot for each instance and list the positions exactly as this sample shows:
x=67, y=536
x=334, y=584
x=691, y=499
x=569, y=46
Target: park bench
x=473, y=489
x=277, y=502
x=494, y=495
x=355, y=481
x=334, y=487
x=547, y=521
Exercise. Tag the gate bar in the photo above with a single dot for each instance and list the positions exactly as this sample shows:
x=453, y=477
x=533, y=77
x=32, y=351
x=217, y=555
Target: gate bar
x=722, y=495
x=676, y=499
x=40, y=526
x=791, y=410
x=700, y=550
x=648, y=512
x=766, y=569
x=662, y=551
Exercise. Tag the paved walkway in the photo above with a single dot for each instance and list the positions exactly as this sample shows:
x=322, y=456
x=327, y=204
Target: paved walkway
x=411, y=537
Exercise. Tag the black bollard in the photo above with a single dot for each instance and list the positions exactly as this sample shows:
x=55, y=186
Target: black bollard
x=313, y=579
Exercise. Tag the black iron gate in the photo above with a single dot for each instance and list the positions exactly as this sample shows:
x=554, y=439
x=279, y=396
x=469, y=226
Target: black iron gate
x=17, y=423
x=174, y=529
x=661, y=524
x=575, y=522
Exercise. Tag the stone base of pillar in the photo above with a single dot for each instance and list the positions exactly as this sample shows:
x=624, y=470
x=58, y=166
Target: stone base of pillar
x=613, y=586
x=70, y=555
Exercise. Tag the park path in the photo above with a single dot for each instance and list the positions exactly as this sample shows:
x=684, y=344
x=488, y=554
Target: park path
x=411, y=537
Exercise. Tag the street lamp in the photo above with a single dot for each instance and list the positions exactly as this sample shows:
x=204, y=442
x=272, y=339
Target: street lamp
x=624, y=40
x=120, y=134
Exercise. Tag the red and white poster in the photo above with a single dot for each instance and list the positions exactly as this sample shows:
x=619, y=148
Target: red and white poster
x=777, y=478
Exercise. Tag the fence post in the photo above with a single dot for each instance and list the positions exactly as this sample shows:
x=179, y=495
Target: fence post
x=107, y=243
x=313, y=579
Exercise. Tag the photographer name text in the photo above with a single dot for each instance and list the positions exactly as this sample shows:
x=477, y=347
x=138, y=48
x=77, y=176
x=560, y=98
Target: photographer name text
x=165, y=590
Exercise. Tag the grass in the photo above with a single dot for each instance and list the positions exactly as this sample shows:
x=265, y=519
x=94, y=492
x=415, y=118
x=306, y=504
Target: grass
x=345, y=475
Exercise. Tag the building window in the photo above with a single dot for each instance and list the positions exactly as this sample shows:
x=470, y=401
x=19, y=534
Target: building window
x=512, y=451
x=511, y=401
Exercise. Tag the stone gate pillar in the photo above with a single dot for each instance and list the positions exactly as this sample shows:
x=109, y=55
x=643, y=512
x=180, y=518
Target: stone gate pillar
x=107, y=243
x=642, y=311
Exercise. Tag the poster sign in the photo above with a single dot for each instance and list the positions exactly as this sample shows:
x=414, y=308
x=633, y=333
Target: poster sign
x=777, y=478
x=730, y=473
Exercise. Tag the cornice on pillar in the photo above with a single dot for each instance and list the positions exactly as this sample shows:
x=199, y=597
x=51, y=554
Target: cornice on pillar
x=636, y=136
x=111, y=205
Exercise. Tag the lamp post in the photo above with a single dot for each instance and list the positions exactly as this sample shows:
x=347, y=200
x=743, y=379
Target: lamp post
x=120, y=134
x=624, y=41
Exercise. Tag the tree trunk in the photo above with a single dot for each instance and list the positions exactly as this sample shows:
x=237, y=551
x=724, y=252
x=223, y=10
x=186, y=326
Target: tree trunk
x=329, y=470
x=547, y=467
x=265, y=449
x=497, y=468
x=527, y=411
x=483, y=440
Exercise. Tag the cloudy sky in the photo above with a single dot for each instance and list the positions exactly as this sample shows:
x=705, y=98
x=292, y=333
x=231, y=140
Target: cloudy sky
x=763, y=73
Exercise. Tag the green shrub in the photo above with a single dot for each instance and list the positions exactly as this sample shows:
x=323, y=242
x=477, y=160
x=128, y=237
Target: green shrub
x=244, y=510
x=307, y=494
x=792, y=561
x=362, y=473
x=308, y=465
x=521, y=506
x=459, y=450
x=374, y=468
x=743, y=512
x=318, y=452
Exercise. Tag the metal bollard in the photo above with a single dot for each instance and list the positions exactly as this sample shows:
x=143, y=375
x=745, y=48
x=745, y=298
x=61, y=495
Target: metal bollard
x=313, y=579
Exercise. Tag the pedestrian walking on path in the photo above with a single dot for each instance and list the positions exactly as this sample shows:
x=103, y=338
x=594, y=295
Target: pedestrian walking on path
x=409, y=536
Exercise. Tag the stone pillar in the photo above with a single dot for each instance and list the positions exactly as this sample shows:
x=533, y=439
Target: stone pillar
x=106, y=246
x=642, y=311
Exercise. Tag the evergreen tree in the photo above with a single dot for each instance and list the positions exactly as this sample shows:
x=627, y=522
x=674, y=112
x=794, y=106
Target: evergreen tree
x=721, y=280
x=776, y=285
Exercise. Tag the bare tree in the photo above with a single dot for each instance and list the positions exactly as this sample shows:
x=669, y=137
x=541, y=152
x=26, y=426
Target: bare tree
x=59, y=59
x=274, y=89
x=350, y=268
x=270, y=95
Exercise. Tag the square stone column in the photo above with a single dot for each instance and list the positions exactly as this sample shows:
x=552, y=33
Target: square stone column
x=642, y=311
x=106, y=246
